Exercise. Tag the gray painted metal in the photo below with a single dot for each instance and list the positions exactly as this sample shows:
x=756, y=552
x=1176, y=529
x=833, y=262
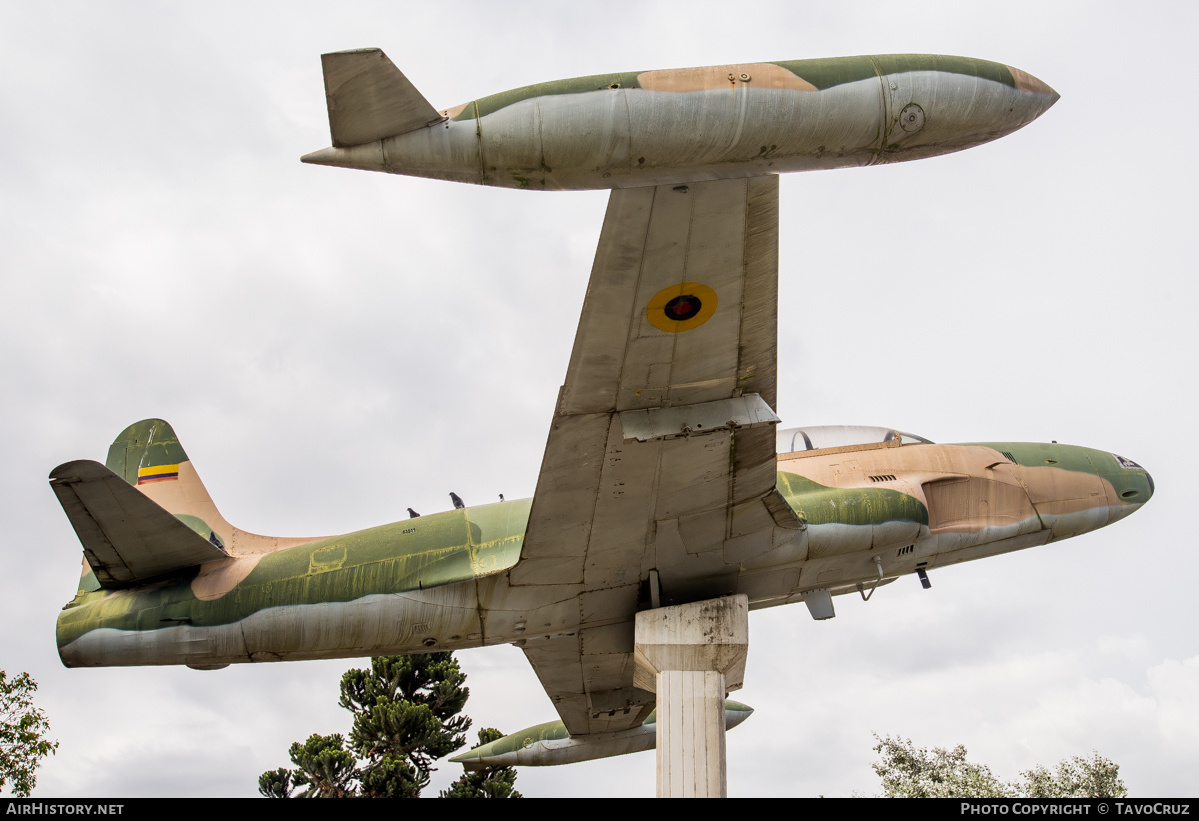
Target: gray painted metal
x=608, y=510
x=749, y=411
x=820, y=603
x=369, y=98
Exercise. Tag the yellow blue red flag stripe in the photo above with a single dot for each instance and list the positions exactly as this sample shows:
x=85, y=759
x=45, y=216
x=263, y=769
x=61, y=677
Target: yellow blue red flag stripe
x=157, y=473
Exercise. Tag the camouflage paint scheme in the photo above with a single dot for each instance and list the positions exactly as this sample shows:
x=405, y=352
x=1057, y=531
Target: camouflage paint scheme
x=167, y=580
x=440, y=582
x=679, y=125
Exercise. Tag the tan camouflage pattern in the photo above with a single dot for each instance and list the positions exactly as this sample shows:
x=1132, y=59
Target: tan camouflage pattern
x=708, y=78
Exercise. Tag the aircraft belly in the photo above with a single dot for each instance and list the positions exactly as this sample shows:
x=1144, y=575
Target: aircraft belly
x=438, y=619
x=443, y=618
x=950, y=541
x=1072, y=523
x=180, y=644
x=983, y=549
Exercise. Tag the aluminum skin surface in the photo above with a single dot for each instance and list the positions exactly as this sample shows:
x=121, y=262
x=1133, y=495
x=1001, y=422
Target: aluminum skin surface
x=676, y=125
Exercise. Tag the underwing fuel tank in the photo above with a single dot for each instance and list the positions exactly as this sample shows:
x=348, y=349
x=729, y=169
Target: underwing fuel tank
x=548, y=744
x=676, y=125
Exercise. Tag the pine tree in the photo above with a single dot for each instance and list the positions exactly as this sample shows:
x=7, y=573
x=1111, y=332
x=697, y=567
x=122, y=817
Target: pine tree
x=324, y=769
x=489, y=782
x=406, y=713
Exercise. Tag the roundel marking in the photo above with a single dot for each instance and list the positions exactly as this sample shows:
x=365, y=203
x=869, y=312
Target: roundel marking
x=681, y=307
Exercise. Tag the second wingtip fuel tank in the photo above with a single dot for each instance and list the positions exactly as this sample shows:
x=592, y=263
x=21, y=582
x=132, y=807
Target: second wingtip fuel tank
x=551, y=743
x=675, y=125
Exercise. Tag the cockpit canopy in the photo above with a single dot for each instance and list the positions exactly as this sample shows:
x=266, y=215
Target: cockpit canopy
x=817, y=437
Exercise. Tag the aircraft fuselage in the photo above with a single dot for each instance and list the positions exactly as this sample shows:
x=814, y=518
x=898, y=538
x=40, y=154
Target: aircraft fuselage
x=441, y=582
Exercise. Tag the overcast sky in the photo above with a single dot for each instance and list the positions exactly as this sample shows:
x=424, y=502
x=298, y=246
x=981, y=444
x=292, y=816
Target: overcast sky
x=333, y=346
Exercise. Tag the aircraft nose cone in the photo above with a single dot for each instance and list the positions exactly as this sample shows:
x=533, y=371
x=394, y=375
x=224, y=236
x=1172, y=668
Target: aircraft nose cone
x=1026, y=82
x=1036, y=97
x=1132, y=483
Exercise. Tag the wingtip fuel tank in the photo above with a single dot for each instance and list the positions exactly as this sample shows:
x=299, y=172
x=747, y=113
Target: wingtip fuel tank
x=671, y=126
x=550, y=744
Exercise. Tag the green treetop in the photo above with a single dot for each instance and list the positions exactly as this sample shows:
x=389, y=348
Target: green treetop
x=908, y=771
x=406, y=713
x=23, y=729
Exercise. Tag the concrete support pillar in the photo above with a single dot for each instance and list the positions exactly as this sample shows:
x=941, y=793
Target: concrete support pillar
x=692, y=656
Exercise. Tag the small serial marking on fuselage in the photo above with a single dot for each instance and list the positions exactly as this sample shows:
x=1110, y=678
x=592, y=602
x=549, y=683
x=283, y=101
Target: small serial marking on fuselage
x=409, y=530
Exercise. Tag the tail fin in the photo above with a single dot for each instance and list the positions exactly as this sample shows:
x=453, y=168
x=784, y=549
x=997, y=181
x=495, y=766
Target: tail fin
x=147, y=454
x=369, y=98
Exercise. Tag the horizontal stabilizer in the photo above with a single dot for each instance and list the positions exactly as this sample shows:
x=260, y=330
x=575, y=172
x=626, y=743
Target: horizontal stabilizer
x=369, y=98
x=126, y=537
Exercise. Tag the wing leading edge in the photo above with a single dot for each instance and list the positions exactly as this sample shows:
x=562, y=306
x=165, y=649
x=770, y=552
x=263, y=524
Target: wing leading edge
x=659, y=473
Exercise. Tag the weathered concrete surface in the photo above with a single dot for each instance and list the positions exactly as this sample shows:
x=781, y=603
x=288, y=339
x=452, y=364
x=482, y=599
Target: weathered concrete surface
x=692, y=655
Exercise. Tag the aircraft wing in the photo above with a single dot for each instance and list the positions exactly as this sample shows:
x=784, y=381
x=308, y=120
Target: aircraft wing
x=659, y=473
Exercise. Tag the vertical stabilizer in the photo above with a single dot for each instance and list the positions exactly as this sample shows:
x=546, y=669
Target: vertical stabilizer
x=147, y=454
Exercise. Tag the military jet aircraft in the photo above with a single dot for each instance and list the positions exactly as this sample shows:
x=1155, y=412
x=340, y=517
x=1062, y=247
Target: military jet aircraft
x=664, y=480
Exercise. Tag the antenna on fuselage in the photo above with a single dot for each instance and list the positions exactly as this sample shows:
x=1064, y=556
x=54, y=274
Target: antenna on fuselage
x=457, y=500
x=412, y=514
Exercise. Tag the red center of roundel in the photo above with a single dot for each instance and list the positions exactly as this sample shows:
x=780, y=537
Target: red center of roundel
x=682, y=308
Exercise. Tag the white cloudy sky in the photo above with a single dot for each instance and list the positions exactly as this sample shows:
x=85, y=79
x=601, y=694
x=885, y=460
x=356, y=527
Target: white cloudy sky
x=333, y=346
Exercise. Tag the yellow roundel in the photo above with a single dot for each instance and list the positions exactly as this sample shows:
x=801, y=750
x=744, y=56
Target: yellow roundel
x=681, y=307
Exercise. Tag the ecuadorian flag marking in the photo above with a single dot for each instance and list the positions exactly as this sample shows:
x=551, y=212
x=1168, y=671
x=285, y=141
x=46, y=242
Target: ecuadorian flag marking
x=157, y=473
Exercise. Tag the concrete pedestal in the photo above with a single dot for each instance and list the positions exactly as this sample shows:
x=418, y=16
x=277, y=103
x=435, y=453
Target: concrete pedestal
x=692, y=655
